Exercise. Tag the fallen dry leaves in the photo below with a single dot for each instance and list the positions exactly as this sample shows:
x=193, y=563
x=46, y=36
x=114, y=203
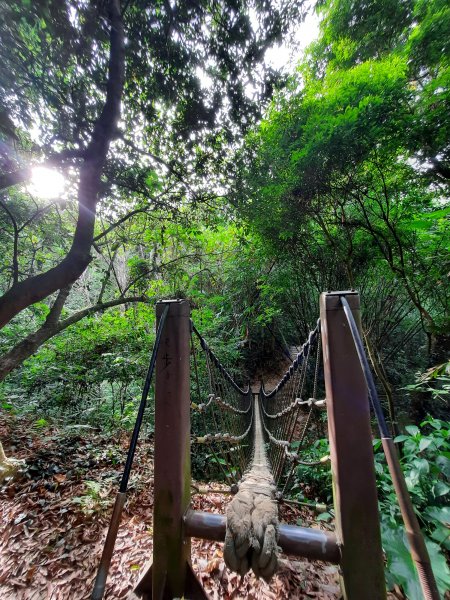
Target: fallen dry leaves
x=52, y=530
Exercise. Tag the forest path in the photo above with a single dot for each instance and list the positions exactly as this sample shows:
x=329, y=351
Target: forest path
x=53, y=522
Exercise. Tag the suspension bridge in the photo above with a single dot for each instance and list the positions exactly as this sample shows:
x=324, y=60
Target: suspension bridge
x=257, y=438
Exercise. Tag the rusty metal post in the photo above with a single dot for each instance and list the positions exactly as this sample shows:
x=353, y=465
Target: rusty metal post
x=170, y=575
x=352, y=464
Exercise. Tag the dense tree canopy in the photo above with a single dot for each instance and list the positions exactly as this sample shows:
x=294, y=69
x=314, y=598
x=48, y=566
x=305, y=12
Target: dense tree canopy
x=91, y=78
x=342, y=183
x=355, y=151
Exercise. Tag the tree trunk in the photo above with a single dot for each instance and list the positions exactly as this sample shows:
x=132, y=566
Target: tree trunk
x=36, y=288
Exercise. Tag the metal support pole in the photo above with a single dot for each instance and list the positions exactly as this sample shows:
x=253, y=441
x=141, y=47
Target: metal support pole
x=352, y=464
x=170, y=575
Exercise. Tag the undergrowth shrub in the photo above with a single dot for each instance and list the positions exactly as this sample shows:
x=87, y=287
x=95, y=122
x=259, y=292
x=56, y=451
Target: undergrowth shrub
x=426, y=465
x=425, y=460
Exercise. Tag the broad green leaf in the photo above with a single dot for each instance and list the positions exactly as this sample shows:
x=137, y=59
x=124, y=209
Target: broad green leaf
x=441, y=514
x=422, y=465
x=400, y=566
x=440, y=489
x=412, y=430
x=424, y=443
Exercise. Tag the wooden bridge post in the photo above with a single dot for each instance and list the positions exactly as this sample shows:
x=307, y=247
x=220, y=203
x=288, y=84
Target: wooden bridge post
x=171, y=575
x=352, y=463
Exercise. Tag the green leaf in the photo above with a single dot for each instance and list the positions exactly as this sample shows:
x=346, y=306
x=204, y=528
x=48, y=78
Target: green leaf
x=424, y=443
x=440, y=489
x=443, y=463
x=400, y=566
x=441, y=535
x=378, y=468
x=324, y=517
x=441, y=514
x=423, y=466
x=376, y=444
x=440, y=568
x=412, y=430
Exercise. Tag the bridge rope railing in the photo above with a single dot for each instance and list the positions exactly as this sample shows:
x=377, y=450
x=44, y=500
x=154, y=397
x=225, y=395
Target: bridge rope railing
x=287, y=428
x=227, y=416
x=251, y=539
x=256, y=444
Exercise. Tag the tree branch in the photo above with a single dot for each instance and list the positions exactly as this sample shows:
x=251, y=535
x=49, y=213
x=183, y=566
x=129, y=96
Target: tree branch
x=28, y=346
x=15, y=259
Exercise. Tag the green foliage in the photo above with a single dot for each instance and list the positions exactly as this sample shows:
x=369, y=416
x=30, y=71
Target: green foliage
x=95, y=498
x=313, y=482
x=426, y=465
x=400, y=568
x=342, y=184
x=425, y=459
x=346, y=178
x=436, y=382
x=92, y=373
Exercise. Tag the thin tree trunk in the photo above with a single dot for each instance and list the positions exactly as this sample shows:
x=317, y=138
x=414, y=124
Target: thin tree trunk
x=379, y=371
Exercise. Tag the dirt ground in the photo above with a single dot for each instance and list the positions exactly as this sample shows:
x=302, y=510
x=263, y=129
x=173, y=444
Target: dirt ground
x=54, y=518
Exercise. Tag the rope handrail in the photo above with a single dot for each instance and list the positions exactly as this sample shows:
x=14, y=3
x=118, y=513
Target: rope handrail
x=217, y=362
x=293, y=457
x=228, y=406
x=273, y=439
x=280, y=409
x=218, y=400
x=297, y=402
x=204, y=405
x=295, y=364
x=210, y=438
x=254, y=450
x=227, y=413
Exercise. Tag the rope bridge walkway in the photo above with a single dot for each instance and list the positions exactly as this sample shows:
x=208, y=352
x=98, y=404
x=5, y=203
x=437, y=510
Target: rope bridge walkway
x=256, y=442
x=244, y=426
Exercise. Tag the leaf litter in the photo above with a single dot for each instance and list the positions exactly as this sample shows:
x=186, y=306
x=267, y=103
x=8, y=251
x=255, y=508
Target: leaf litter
x=54, y=518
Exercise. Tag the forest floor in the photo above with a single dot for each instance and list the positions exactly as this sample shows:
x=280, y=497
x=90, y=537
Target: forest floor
x=54, y=518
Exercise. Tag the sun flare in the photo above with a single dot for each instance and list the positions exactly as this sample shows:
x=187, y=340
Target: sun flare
x=46, y=183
